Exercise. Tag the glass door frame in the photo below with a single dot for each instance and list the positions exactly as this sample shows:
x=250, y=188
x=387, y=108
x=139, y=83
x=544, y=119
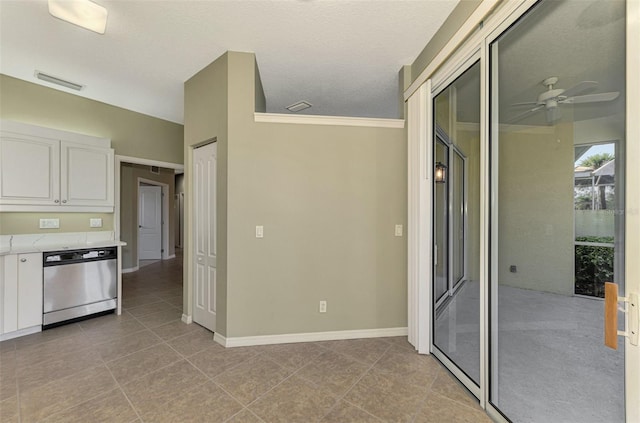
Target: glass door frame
x=490, y=20
x=439, y=83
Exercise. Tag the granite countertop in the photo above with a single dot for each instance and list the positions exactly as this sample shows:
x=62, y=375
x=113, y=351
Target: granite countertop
x=24, y=249
x=35, y=243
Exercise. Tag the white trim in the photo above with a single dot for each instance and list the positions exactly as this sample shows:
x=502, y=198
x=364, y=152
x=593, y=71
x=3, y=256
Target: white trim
x=289, y=338
x=222, y=340
x=419, y=218
x=328, y=120
x=186, y=319
x=130, y=269
x=172, y=256
x=470, y=25
x=21, y=332
x=55, y=134
x=150, y=162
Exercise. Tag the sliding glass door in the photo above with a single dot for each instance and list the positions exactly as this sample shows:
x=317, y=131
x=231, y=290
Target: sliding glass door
x=456, y=219
x=557, y=146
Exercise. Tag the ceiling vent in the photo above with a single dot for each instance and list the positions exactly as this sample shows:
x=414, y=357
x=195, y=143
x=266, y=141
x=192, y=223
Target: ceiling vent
x=58, y=81
x=301, y=105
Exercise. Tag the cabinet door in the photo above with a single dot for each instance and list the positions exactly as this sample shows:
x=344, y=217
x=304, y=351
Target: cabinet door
x=29, y=170
x=29, y=290
x=9, y=293
x=87, y=175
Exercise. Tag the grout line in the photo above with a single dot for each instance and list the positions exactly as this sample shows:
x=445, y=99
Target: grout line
x=135, y=410
x=341, y=398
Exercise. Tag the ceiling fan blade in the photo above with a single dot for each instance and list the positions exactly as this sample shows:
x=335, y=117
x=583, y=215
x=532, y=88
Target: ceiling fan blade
x=591, y=98
x=526, y=103
x=580, y=87
x=525, y=114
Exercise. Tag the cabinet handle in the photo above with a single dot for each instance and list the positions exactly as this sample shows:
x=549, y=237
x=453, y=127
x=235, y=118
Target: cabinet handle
x=64, y=201
x=56, y=201
x=23, y=260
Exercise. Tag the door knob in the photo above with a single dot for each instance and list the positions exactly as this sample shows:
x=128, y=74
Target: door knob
x=56, y=201
x=23, y=260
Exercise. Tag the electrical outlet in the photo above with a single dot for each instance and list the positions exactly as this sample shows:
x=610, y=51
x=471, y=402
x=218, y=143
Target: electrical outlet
x=259, y=231
x=398, y=230
x=95, y=222
x=323, y=307
x=49, y=223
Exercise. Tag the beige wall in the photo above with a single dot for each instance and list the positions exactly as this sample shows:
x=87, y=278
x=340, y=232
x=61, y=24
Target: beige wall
x=328, y=198
x=205, y=117
x=129, y=175
x=131, y=134
x=535, y=212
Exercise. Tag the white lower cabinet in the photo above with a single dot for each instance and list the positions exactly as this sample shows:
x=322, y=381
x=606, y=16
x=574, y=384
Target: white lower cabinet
x=20, y=292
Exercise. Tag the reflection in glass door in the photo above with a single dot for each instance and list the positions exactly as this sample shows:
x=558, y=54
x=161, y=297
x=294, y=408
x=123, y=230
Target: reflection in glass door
x=557, y=146
x=456, y=227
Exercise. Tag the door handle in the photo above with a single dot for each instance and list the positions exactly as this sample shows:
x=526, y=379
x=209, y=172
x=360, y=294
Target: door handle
x=611, y=331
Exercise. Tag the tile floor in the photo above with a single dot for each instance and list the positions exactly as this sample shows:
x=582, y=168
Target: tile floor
x=148, y=366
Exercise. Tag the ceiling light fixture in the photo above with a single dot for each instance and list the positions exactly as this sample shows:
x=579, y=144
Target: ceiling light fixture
x=83, y=13
x=301, y=105
x=58, y=81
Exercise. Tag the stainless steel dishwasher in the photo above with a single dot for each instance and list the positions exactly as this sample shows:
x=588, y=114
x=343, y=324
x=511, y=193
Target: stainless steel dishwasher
x=78, y=283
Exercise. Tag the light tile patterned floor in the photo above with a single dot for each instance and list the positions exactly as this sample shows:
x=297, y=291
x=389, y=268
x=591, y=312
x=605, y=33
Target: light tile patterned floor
x=148, y=366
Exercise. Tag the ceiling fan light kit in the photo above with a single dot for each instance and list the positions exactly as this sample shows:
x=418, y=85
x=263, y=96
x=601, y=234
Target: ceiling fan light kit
x=551, y=99
x=83, y=13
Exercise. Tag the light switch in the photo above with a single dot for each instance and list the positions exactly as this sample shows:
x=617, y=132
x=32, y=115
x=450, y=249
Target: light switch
x=259, y=231
x=398, y=230
x=95, y=222
x=49, y=223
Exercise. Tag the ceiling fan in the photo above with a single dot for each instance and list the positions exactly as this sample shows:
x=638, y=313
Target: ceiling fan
x=550, y=100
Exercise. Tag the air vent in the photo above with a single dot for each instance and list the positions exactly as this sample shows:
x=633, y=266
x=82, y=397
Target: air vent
x=155, y=169
x=58, y=81
x=301, y=105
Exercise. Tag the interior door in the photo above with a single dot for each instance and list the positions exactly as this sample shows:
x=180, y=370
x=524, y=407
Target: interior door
x=204, y=188
x=149, y=222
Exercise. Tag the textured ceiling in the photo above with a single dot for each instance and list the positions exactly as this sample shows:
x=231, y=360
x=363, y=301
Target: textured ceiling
x=341, y=56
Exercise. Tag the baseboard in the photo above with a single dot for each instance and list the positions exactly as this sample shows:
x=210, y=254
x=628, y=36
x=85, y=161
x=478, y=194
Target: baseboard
x=21, y=332
x=169, y=257
x=220, y=339
x=187, y=319
x=289, y=338
x=130, y=269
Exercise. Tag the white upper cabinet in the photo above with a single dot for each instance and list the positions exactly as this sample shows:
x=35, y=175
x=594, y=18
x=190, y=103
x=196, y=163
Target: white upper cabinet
x=43, y=169
x=86, y=175
x=29, y=170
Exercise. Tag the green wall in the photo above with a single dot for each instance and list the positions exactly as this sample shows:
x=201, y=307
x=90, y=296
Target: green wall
x=29, y=223
x=205, y=117
x=451, y=25
x=535, y=213
x=328, y=198
x=132, y=134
